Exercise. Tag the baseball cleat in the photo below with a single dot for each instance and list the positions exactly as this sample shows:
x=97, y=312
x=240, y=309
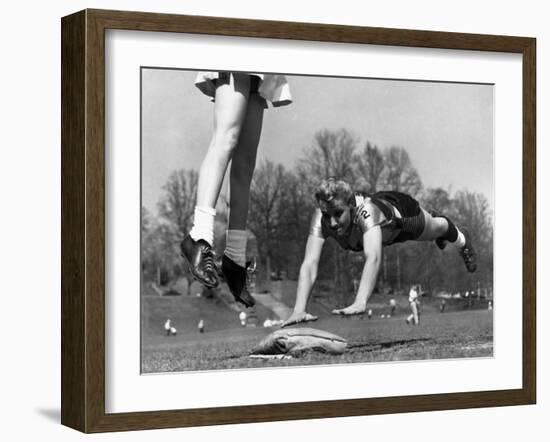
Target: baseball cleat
x=235, y=277
x=201, y=260
x=468, y=253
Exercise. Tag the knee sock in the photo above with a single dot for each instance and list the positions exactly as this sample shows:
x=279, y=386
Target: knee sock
x=203, y=224
x=453, y=235
x=235, y=246
x=460, y=240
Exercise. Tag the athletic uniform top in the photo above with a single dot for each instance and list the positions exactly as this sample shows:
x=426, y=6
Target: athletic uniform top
x=398, y=215
x=368, y=212
x=413, y=295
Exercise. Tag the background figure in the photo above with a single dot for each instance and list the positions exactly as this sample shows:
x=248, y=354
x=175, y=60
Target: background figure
x=467, y=298
x=414, y=303
x=239, y=103
x=393, y=306
x=242, y=318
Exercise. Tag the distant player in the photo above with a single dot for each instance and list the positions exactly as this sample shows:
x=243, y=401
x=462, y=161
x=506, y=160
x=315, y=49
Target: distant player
x=200, y=326
x=442, y=306
x=364, y=223
x=167, y=327
x=413, y=302
x=393, y=306
x=467, y=298
x=242, y=318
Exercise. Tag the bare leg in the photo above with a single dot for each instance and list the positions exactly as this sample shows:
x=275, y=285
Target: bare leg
x=229, y=114
x=414, y=308
x=434, y=228
x=244, y=162
x=242, y=167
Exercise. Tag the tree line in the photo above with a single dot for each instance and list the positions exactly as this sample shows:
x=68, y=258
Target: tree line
x=281, y=206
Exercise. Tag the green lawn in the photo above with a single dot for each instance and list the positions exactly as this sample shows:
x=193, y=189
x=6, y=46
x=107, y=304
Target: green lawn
x=456, y=334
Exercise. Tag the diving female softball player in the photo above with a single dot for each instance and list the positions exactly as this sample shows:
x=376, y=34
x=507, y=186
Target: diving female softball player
x=363, y=223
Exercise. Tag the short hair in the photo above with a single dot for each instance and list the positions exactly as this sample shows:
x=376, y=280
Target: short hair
x=334, y=188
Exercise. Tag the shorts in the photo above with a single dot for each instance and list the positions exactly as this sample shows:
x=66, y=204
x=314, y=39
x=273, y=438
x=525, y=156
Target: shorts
x=412, y=222
x=271, y=87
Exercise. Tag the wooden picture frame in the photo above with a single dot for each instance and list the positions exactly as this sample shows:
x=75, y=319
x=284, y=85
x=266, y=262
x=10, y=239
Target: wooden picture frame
x=83, y=220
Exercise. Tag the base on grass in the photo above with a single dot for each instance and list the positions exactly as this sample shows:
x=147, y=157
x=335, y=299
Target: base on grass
x=299, y=340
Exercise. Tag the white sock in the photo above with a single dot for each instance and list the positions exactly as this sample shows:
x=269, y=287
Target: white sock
x=235, y=246
x=203, y=224
x=460, y=240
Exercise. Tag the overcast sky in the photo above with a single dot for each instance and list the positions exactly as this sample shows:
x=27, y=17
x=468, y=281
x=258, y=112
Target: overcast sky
x=446, y=128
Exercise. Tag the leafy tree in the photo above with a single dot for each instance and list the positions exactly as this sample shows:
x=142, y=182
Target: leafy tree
x=161, y=261
x=159, y=250
x=264, y=216
x=178, y=202
x=295, y=212
x=331, y=154
x=399, y=173
x=370, y=165
x=473, y=214
x=439, y=200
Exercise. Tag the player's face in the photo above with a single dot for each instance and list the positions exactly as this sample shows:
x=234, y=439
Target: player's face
x=338, y=215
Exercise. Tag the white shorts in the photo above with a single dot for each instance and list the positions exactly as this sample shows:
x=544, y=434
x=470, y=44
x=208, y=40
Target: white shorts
x=272, y=87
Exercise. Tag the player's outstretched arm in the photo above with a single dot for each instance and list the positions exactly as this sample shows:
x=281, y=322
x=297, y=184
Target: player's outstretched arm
x=308, y=274
x=372, y=248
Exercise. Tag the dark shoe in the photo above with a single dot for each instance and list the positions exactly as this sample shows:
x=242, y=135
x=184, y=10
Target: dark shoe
x=468, y=253
x=201, y=260
x=235, y=276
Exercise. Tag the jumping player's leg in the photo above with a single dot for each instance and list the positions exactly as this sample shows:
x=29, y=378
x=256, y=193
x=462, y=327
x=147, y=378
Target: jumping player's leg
x=242, y=169
x=244, y=162
x=229, y=113
x=442, y=230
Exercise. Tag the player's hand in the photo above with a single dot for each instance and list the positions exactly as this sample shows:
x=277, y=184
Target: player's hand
x=296, y=318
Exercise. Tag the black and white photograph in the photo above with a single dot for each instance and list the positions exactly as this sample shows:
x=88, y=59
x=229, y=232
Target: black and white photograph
x=297, y=220
x=243, y=221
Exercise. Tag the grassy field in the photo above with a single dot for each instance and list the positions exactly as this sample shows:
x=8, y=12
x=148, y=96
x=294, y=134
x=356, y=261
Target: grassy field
x=454, y=334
